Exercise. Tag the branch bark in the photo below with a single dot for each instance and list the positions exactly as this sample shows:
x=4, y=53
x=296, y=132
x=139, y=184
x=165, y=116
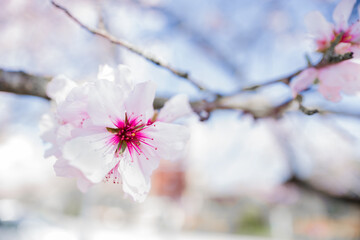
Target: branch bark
x=310, y=187
x=19, y=82
x=23, y=83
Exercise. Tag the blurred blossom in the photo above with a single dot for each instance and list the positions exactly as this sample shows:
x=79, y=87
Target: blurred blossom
x=325, y=32
x=340, y=78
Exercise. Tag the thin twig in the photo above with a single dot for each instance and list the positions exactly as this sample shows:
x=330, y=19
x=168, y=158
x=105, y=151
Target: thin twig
x=104, y=34
x=286, y=80
x=302, y=108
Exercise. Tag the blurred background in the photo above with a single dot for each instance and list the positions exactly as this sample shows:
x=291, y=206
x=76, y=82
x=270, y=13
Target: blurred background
x=297, y=177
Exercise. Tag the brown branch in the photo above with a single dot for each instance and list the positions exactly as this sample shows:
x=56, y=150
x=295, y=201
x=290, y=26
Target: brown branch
x=312, y=188
x=304, y=109
x=23, y=83
x=313, y=111
x=104, y=34
x=266, y=112
x=19, y=82
x=26, y=84
x=286, y=80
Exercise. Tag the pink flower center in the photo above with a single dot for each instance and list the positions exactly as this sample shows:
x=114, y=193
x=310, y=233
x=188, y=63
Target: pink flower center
x=129, y=134
x=347, y=37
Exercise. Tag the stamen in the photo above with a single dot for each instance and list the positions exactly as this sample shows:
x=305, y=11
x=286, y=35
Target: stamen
x=128, y=134
x=113, y=175
x=142, y=141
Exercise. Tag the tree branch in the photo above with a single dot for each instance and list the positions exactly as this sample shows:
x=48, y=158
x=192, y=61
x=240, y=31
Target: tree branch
x=23, y=83
x=312, y=188
x=104, y=34
x=26, y=84
x=19, y=82
x=286, y=80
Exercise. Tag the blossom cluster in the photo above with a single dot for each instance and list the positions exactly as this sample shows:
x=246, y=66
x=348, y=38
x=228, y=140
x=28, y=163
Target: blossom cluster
x=107, y=130
x=333, y=78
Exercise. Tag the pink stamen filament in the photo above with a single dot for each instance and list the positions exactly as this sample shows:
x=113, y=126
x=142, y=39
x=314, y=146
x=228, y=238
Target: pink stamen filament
x=113, y=176
x=128, y=132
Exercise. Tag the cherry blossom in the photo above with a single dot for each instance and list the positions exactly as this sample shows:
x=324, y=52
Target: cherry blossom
x=70, y=100
x=107, y=130
x=333, y=79
x=325, y=32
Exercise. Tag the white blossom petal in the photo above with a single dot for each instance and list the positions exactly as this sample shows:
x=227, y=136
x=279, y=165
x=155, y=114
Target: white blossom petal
x=319, y=27
x=140, y=100
x=148, y=160
x=354, y=32
x=342, y=77
x=134, y=181
x=331, y=93
x=91, y=155
x=120, y=76
x=304, y=80
x=106, y=103
x=170, y=139
x=176, y=107
x=106, y=73
x=342, y=14
x=59, y=87
x=123, y=77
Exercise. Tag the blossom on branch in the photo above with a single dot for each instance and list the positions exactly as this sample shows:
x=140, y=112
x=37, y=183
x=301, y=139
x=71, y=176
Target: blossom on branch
x=108, y=130
x=336, y=73
x=334, y=79
x=324, y=32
